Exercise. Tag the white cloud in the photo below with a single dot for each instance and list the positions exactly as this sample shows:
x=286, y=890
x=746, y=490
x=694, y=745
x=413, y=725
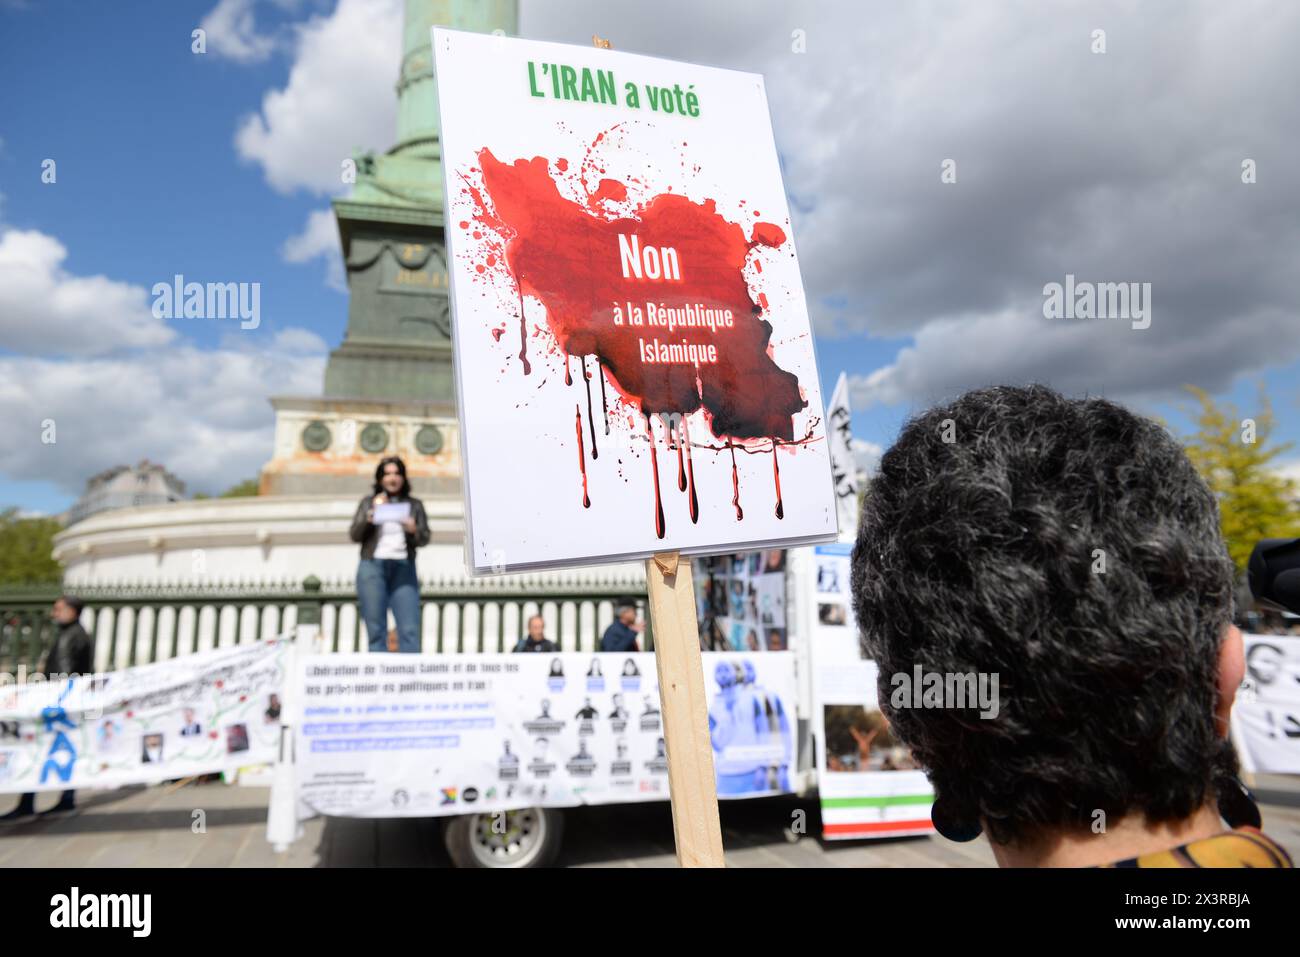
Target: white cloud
x=339, y=97
x=1289, y=469
x=232, y=32
x=203, y=413
x=44, y=310
x=319, y=238
x=1123, y=166
x=1017, y=346
x=117, y=385
x=298, y=342
x=866, y=455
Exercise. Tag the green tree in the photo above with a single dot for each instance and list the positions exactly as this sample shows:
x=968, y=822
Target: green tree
x=244, y=489
x=27, y=550
x=1234, y=454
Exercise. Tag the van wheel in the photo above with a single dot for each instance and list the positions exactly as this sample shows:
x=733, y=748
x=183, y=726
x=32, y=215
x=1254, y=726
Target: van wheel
x=528, y=837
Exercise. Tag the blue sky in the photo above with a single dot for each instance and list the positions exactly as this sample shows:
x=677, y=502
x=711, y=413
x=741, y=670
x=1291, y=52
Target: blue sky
x=148, y=180
x=1116, y=167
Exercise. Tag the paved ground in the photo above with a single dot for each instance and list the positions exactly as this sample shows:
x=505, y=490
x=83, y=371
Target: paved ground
x=153, y=827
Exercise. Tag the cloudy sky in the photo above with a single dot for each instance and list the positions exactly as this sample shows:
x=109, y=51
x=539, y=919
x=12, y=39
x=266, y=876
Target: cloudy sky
x=1116, y=166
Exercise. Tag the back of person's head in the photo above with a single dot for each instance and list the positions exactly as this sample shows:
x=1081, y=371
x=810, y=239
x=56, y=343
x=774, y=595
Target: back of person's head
x=1068, y=546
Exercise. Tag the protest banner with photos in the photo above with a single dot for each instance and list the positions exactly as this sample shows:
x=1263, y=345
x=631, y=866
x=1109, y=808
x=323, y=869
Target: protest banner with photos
x=204, y=713
x=741, y=601
x=430, y=735
x=868, y=782
x=1266, y=714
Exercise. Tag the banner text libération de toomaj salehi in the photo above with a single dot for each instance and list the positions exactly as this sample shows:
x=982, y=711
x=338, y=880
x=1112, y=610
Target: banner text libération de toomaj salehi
x=425, y=735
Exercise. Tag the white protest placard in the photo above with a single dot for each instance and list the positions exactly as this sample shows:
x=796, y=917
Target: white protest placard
x=633, y=351
x=844, y=469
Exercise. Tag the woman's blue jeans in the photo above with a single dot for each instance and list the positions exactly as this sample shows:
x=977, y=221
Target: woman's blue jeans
x=384, y=583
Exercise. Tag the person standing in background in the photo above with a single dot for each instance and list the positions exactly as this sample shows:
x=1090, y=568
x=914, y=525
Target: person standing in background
x=536, y=639
x=71, y=654
x=622, y=633
x=389, y=536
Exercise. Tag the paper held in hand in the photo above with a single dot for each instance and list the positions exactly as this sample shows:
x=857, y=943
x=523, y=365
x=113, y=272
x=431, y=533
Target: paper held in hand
x=392, y=512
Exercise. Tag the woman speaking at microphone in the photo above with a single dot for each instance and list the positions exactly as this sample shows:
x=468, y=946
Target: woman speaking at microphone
x=390, y=524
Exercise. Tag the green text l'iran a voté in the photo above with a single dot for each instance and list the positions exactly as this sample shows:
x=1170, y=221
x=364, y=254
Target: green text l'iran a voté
x=559, y=81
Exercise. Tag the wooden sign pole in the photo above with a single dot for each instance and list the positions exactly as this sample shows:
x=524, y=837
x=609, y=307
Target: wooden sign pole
x=691, y=781
x=692, y=786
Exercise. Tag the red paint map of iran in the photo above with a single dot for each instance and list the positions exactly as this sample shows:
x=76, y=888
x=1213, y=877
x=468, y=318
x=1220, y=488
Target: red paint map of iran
x=567, y=255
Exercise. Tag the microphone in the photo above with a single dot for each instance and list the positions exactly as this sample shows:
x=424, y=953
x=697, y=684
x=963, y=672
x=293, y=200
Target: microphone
x=1274, y=574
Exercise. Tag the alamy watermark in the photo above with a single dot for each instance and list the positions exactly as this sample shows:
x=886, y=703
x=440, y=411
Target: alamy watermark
x=946, y=689
x=212, y=300
x=36, y=692
x=129, y=911
x=1098, y=300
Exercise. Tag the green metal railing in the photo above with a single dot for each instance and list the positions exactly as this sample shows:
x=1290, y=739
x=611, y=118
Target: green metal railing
x=139, y=624
x=25, y=626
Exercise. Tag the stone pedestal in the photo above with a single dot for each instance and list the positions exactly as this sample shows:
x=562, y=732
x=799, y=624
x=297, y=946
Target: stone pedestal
x=398, y=340
x=327, y=446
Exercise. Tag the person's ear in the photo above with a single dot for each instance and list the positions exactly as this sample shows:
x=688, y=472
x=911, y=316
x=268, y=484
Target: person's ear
x=1232, y=669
